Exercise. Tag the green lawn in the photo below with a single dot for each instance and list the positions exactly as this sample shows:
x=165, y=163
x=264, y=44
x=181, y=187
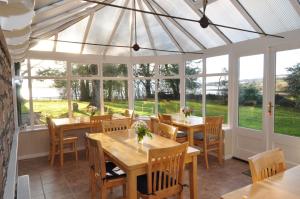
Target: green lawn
x=287, y=120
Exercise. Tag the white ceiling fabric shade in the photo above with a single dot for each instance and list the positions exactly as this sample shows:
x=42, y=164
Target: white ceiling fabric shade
x=84, y=22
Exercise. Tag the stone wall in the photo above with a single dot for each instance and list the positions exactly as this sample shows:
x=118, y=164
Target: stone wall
x=7, y=128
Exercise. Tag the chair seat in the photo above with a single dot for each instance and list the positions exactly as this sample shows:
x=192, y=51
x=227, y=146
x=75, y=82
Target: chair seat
x=198, y=136
x=142, y=183
x=181, y=134
x=113, y=171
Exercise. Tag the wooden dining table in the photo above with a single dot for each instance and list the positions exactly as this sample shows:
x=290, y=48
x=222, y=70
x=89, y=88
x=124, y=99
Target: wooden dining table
x=284, y=185
x=132, y=157
x=191, y=124
x=63, y=125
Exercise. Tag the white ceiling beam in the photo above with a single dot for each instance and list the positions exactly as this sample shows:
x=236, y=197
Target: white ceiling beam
x=214, y=28
x=296, y=5
x=113, y=32
x=131, y=33
x=86, y=33
x=146, y=23
x=174, y=41
x=247, y=16
x=181, y=28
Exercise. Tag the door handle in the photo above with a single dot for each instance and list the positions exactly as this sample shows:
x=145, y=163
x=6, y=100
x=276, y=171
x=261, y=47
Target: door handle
x=270, y=107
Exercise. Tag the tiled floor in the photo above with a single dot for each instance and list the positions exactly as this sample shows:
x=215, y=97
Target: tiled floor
x=71, y=181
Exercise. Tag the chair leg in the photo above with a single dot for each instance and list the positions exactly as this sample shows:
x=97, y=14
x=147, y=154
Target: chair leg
x=103, y=193
x=220, y=154
x=206, y=158
x=124, y=190
x=53, y=153
x=86, y=149
x=75, y=150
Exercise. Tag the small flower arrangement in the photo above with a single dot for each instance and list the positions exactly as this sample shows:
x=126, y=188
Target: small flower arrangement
x=141, y=129
x=92, y=110
x=187, y=111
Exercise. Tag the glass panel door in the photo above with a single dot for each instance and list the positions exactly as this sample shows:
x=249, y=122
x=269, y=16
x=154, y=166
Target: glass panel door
x=287, y=93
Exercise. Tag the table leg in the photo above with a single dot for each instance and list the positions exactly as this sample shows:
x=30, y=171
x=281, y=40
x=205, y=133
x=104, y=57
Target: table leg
x=193, y=178
x=131, y=185
x=61, y=147
x=191, y=136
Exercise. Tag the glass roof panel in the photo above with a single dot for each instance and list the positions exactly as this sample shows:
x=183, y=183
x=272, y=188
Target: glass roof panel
x=74, y=33
x=160, y=37
x=223, y=12
x=274, y=16
x=179, y=8
x=101, y=27
x=44, y=45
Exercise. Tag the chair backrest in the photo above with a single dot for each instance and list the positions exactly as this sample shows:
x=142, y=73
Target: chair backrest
x=267, y=164
x=164, y=118
x=96, y=158
x=115, y=125
x=96, y=122
x=168, y=131
x=154, y=125
x=51, y=129
x=213, y=129
x=165, y=170
x=129, y=113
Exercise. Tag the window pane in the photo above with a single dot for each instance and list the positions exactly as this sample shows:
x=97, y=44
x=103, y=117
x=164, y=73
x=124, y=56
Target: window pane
x=144, y=103
x=84, y=69
x=49, y=98
x=115, y=70
x=193, y=95
x=115, y=96
x=217, y=96
x=251, y=91
x=217, y=64
x=48, y=68
x=194, y=67
x=23, y=70
x=143, y=70
x=168, y=96
x=169, y=69
x=287, y=98
x=85, y=97
x=23, y=102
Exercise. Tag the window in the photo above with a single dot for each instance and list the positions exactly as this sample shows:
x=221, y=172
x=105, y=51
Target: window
x=218, y=64
x=143, y=70
x=23, y=105
x=115, y=96
x=251, y=91
x=115, y=70
x=49, y=99
x=287, y=93
x=48, y=68
x=217, y=86
x=168, y=69
x=217, y=96
x=85, y=96
x=168, y=96
x=193, y=86
x=144, y=103
x=84, y=69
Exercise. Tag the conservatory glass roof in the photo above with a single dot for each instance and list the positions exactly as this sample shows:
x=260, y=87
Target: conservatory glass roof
x=75, y=26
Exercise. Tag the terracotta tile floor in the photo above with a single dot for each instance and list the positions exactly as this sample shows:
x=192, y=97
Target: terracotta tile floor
x=71, y=181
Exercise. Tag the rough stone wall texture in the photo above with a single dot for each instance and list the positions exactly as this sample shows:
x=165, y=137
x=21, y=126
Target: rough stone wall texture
x=7, y=128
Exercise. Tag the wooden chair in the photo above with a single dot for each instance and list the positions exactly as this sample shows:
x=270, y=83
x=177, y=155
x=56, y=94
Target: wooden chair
x=95, y=127
x=212, y=138
x=266, y=164
x=115, y=125
x=96, y=122
x=168, y=131
x=54, y=142
x=181, y=136
x=129, y=113
x=104, y=175
x=164, y=176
